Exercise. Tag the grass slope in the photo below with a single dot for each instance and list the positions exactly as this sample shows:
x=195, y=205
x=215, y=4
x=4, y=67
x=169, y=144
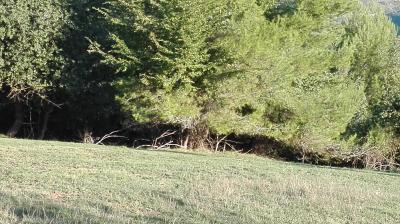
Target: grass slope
x=50, y=182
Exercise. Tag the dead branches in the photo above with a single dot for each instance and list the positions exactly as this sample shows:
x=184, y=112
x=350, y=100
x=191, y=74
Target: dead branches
x=221, y=144
x=371, y=159
x=158, y=144
x=110, y=135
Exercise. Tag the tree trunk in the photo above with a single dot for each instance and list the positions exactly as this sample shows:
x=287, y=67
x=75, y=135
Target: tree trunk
x=19, y=119
x=196, y=138
x=49, y=109
x=186, y=142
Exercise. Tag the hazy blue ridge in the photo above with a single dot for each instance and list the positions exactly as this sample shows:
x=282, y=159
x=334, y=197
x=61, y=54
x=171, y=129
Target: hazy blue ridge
x=395, y=19
x=392, y=8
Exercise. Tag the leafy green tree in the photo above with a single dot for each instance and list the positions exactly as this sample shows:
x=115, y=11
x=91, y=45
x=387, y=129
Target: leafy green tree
x=173, y=53
x=375, y=64
x=297, y=71
x=298, y=85
x=30, y=61
x=87, y=94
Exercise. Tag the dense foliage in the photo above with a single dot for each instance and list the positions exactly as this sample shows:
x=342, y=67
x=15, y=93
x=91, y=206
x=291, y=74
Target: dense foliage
x=317, y=76
x=30, y=60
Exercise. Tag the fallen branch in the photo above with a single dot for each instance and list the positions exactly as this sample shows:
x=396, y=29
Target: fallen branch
x=163, y=135
x=156, y=145
x=110, y=135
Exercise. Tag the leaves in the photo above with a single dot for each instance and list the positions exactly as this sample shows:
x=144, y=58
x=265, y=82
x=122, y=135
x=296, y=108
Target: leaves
x=29, y=55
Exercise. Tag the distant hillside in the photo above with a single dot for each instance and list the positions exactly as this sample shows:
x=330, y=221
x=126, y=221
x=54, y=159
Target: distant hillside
x=391, y=6
x=396, y=19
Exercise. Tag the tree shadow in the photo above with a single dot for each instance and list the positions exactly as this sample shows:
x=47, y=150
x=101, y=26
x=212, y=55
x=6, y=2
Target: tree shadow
x=34, y=211
x=353, y=170
x=171, y=151
x=23, y=209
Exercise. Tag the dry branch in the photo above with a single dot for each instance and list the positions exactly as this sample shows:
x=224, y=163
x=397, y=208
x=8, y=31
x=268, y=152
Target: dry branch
x=110, y=135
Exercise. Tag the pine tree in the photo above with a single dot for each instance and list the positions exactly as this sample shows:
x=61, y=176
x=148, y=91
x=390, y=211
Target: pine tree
x=174, y=53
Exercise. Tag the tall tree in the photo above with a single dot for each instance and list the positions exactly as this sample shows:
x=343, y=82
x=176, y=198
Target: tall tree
x=174, y=52
x=87, y=94
x=30, y=61
x=298, y=84
x=287, y=69
x=375, y=64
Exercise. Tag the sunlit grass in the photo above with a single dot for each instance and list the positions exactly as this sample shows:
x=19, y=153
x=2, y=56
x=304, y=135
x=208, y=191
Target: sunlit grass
x=51, y=182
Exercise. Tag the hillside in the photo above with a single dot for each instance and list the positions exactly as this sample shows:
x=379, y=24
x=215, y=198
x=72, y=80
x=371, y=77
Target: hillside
x=391, y=6
x=51, y=182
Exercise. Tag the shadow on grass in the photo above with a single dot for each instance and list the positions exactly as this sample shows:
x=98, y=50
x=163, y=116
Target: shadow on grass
x=171, y=151
x=33, y=211
x=38, y=211
x=355, y=170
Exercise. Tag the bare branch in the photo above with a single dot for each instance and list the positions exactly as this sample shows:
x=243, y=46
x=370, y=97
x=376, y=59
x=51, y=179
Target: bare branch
x=110, y=135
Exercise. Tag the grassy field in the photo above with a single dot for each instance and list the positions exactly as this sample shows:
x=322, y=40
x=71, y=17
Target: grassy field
x=50, y=182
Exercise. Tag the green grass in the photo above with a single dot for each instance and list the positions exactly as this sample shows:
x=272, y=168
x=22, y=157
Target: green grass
x=51, y=182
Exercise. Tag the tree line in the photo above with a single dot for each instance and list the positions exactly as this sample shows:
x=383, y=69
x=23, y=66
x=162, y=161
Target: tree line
x=319, y=78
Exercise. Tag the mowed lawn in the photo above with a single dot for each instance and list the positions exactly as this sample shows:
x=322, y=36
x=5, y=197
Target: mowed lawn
x=52, y=182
